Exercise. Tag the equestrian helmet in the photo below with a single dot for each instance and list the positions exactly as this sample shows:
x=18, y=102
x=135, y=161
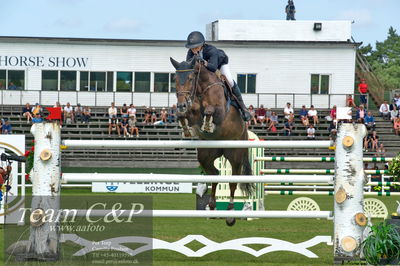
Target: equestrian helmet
x=195, y=39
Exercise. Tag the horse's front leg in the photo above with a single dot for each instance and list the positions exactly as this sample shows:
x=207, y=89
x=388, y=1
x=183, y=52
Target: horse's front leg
x=208, y=125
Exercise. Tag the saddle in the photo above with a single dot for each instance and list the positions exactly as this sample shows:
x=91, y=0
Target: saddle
x=229, y=96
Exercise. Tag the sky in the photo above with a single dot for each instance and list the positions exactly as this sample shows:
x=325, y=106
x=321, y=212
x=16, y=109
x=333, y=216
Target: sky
x=174, y=20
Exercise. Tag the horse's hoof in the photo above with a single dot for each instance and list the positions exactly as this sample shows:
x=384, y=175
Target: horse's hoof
x=230, y=221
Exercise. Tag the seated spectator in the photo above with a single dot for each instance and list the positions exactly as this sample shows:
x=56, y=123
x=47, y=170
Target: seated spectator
x=396, y=100
x=381, y=151
x=58, y=105
x=287, y=128
x=6, y=128
x=313, y=114
x=374, y=141
x=273, y=123
x=360, y=114
x=394, y=114
x=132, y=127
x=268, y=114
x=260, y=113
x=332, y=113
x=369, y=121
x=253, y=115
x=1, y=126
x=288, y=111
x=68, y=114
x=26, y=112
x=112, y=112
x=124, y=111
x=78, y=113
x=332, y=130
x=172, y=114
x=37, y=118
x=36, y=109
x=311, y=132
x=153, y=115
x=396, y=126
x=147, y=115
x=367, y=142
x=384, y=110
x=163, y=115
x=124, y=125
x=131, y=111
x=113, y=126
x=86, y=115
x=350, y=101
x=303, y=116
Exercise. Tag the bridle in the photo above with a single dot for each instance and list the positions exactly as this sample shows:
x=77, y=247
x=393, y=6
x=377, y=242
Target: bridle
x=193, y=92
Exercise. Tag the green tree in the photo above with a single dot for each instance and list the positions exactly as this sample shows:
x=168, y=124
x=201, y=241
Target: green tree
x=385, y=59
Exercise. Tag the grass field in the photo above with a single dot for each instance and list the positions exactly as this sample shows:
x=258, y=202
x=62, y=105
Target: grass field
x=172, y=229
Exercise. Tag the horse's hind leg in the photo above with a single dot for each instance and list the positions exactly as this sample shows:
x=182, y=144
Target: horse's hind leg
x=206, y=158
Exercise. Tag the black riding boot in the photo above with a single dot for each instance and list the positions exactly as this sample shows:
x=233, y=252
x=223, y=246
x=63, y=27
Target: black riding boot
x=245, y=113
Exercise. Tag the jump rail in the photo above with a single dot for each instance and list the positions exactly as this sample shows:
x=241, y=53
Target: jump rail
x=316, y=159
x=158, y=144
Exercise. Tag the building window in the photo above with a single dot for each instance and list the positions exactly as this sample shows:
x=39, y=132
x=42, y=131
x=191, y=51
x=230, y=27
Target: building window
x=320, y=84
x=68, y=80
x=84, y=81
x=161, y=82
x=12, y=79
x=3, y=79
x=142, y=81
x=124, y=81
x=49, y=80
x=110, y=81
x=172, y=83
x=97, y=81
x=247, y=83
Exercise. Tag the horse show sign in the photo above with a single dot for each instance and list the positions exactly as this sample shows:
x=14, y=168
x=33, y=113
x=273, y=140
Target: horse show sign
x=142, y=187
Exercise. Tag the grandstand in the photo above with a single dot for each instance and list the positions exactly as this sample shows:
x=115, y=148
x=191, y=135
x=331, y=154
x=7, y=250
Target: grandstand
x=98, y=129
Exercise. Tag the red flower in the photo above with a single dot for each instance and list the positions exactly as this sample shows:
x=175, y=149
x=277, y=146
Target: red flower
x=26, y=177
x=26, y=154
x=33, y=148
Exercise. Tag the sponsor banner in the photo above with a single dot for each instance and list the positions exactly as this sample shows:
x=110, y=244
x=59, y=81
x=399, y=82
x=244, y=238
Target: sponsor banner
x=146, y=187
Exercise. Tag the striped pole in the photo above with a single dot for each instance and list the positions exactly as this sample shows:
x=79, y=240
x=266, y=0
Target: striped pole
x=313, y=171
x=329, y=193
x=316, y=159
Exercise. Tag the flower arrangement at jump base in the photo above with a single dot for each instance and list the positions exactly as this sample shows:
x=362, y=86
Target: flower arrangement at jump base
x=394, y=168
x=29, y=154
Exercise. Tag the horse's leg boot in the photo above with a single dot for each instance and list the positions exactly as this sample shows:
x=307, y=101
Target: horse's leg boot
x=245, y=113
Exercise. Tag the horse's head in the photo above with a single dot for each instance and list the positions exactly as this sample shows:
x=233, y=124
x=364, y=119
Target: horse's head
x=185, y=80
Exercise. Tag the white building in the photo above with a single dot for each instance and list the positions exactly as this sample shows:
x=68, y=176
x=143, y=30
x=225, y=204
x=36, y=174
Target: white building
x=304, y=62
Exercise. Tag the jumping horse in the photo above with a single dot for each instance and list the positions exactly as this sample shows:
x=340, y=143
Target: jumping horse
x=204, y=111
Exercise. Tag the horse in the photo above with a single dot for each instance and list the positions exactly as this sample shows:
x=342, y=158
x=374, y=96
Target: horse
x=204, y=111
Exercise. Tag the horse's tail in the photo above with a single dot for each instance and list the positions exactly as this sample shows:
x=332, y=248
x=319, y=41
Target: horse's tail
x=247, y=188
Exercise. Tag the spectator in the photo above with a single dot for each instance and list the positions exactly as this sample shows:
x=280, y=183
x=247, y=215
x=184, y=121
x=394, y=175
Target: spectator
x=68, y=114
x=268, y=114
x=252, y=115
x=287, y=128
x=58, y=105
x=26, y=112
x=396, y=100
x=6, y=128
x=172, y=114
x=36, y=109
x=124, y=125
x=153, y=115
x=350, y=101
x=332, y=113
x=147, y=115
x=384, y=110
x=11, y=86
x=363, y=90
x=312, y=113
x=124, y=111
x=290, y=10
x=37, y=118
x=369, y=121
x=163, y=115
x=132, y=127
x=374, y=141
x=367, y=142
x=288, y=111
x=396, y=126
x=131, y=111
x=1, y=126
x=112, y=112
x=360, y=114
x=78, y=113
x=86, y=115
x=381, y=151
x=332, y=130
x=273, y=123
x=260, y=113
x=311, y=132
x=303, y=116
x=394, y=113
x=113, y=126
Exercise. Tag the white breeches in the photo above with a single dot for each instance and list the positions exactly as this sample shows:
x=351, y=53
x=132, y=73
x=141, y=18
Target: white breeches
x=225, y=70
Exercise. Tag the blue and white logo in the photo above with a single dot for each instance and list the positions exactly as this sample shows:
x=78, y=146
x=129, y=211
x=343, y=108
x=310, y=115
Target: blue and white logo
x=111, y=187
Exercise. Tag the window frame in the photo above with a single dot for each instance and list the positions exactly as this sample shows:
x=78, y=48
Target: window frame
x=7, y=79
x=329, y=75
x=170, y=82
x=245, y=90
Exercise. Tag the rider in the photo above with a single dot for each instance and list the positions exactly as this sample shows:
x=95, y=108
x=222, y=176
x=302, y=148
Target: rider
x=214, y=59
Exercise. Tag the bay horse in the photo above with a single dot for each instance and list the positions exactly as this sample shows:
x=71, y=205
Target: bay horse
x=205, y=112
